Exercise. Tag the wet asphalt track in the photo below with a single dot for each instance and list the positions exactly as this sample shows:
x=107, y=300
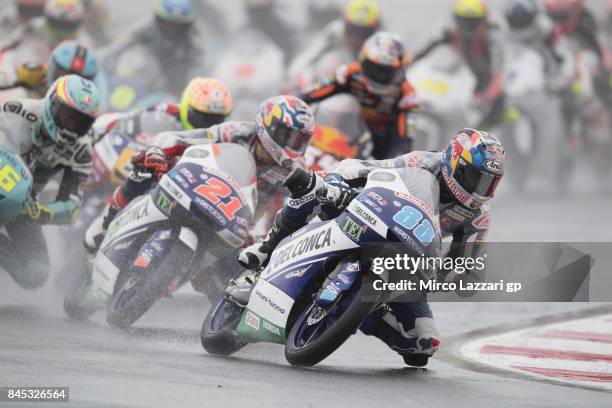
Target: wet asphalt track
x=160, y=362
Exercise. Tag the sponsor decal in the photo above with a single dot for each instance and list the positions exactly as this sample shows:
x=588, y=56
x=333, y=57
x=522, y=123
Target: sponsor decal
x=188, y=175
x=365, y=215
x=407, y=238
x=494, y=166
x=318, y=240
x=270, y=302
x=378, y=198
x=252, y=320
x=352, y=229
x=134, y=214
x=298, y=202
x=181, y=180
x=353, y=267
x=370, y=203
x=165, y=204
x=270, y=327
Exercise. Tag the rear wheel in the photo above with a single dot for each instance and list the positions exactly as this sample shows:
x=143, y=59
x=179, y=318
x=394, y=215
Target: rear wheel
x=317, y=333
x=218, y=334
x=139, y=289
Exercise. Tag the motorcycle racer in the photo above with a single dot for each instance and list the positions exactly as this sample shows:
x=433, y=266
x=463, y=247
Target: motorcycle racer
x=378, y=82
x=69, y=57
x=477, y=40
x=531, y=27
x=169, y=41
x=468, y=172
x=52, y=135
x=342, y=37
x=574, y=20
x=36, y=39
x=278, y=140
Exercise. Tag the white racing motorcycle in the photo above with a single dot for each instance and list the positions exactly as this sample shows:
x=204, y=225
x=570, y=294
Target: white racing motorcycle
x=196, y=215
x=319, y=286
x=445, y=85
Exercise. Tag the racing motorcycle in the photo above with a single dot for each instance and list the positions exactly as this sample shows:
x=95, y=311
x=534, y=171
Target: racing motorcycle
x=197, y=214
x=317, y=288
x=111, y=165
x=131, y=80
x=252, y=66
x=339, y=134
x=524, y=85
x=445, y=85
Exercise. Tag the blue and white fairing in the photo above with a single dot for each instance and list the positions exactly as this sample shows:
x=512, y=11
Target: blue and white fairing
x=395, y=206
x=211, y=190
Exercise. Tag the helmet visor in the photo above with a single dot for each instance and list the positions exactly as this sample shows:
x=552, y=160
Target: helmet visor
x=173, y=30
x=63, y=25
x=380, y=74
x=295, y=140
x=520, y=20
x=468, y=26
x=357, y=34
x=203, y=120
x=55, y=71
x=69, y=121
x=475, y=181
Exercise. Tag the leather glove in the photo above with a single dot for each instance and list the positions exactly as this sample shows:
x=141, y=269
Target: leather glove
x=254, y=256
x=31, y=75
x=152, y=161
x=38, y=212
x=335, y=191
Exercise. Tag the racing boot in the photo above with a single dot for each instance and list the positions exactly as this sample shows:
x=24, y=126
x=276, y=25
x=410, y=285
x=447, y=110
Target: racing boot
x=426, y=347
x=97, y=230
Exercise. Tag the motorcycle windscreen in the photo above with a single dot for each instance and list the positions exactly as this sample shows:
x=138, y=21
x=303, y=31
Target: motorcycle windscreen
x=236, y=161
x=424, y=186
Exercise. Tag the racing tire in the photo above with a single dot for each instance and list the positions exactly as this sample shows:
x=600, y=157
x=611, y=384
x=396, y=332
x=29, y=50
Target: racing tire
x=220, y=338
x=76, y=306
x=336, y=333
x=139, y=290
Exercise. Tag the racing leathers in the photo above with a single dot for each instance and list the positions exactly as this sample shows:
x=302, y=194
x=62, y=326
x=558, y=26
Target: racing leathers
x=387, y=116
x=483, y=55
x=24, y=252
x=406, y=327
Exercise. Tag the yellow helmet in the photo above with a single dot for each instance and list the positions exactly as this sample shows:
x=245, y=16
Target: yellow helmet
x=361, y=20
x=205, y=102
x=364, y=13
x=470, y=9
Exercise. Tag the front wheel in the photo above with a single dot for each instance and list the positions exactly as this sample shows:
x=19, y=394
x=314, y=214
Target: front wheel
x=140, y=289
x=218, y=334
x=317, y=333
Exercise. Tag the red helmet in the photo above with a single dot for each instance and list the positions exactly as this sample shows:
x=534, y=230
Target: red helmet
x=565, y=13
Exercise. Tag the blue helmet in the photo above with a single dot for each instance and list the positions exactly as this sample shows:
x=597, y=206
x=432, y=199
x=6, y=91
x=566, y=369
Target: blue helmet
x=472, y=167
x=521, y=14
x=70, y=108
x=70, y=57
x=174, y=18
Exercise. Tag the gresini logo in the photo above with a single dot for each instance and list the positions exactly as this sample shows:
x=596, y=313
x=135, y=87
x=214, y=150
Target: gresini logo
x=304, y=245
x=270, y=302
